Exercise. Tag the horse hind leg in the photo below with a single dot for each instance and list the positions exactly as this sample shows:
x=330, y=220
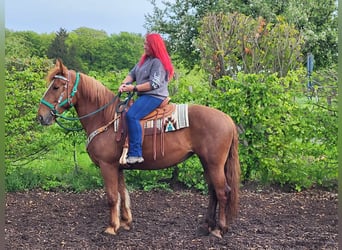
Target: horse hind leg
x=218, y=191
x=226, y=185
x=222, y=226
x=218, y=195
x=210, y=218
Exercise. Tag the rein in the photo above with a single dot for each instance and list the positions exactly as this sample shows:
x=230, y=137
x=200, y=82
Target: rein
x=68, y=100
x=87, y=115
x=82, y=117
x=121, y=107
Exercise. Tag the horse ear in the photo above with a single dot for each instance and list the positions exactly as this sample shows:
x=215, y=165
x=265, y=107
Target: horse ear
x=59, y=64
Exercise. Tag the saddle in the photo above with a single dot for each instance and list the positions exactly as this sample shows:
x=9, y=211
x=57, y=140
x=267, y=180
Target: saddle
x=164, y=110
x=152, y=125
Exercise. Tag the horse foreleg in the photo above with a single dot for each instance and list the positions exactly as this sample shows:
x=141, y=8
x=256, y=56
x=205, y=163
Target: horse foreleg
x=126, y=214
x=110, y=176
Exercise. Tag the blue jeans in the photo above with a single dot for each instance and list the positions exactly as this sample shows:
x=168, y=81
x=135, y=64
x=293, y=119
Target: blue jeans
x=141, y=107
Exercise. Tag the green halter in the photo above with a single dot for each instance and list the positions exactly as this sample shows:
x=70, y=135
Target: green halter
x=67, y=100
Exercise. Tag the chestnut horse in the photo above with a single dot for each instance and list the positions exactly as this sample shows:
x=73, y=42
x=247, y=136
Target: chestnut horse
x=211, y=135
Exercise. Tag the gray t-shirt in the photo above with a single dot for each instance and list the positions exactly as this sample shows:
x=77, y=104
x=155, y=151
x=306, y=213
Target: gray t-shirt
x=151, y=71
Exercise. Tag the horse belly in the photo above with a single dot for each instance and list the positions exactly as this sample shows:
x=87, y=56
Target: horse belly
x=177, y=148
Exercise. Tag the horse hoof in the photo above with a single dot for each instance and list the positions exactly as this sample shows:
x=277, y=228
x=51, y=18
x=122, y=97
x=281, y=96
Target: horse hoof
x=126, y=226
x=202, y=231
x=110, y=230
x=217, y=233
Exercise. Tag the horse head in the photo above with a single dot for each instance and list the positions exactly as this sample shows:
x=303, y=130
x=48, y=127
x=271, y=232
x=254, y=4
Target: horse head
x=60, y=95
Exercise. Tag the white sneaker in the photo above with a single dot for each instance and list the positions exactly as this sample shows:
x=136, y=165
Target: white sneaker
x=134, y=159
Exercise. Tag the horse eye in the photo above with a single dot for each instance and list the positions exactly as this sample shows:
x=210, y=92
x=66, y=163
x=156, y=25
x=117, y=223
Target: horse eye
x=55, y=87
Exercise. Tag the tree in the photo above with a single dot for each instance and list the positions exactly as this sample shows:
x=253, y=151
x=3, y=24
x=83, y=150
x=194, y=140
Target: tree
x=58, y=47
x=16, y=46
x=118, y=52
x=87, y=43
x=234, y=43
x=99, y=52
x=318, y=21
x=25, y=44
x=179, y=21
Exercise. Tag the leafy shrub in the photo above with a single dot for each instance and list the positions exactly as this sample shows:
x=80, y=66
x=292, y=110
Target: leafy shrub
x=283, y=140
x=148, y=180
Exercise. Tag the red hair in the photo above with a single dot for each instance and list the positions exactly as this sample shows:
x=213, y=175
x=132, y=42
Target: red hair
x=158, y=50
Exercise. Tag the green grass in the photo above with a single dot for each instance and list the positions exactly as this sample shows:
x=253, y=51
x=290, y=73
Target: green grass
x=55, y=170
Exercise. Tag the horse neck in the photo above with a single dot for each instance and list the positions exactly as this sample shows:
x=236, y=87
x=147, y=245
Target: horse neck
x=91, y=96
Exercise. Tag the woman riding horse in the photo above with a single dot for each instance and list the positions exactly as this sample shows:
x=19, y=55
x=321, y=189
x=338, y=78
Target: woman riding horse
x=151, y=74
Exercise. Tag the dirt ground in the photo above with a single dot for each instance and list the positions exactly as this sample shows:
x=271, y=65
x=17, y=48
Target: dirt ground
x=268, y=219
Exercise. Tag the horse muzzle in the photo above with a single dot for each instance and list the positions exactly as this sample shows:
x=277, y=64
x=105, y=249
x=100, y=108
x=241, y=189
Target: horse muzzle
x=46, y=120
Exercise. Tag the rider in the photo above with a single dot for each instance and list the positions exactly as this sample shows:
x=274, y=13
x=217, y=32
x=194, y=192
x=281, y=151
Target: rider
x=151, y=74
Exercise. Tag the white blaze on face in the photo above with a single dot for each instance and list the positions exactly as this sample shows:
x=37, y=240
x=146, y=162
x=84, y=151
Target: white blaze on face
x=48, y=88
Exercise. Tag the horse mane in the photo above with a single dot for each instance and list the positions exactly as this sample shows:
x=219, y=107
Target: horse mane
x=95, y=91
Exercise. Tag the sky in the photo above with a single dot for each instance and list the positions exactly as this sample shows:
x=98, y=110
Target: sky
x=48, y=16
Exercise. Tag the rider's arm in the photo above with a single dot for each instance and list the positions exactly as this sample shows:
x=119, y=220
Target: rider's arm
x=128, y=80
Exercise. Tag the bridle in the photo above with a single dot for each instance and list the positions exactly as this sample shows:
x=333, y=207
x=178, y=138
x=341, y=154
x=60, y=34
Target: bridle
x=67, y=100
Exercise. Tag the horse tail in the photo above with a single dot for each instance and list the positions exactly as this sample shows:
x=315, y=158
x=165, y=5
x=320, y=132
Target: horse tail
x=232, y=172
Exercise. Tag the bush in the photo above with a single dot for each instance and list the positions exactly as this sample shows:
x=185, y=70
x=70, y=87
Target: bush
x=285, y=138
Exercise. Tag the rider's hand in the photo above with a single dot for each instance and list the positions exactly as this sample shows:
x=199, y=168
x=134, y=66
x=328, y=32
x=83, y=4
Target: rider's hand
x=126, y=88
